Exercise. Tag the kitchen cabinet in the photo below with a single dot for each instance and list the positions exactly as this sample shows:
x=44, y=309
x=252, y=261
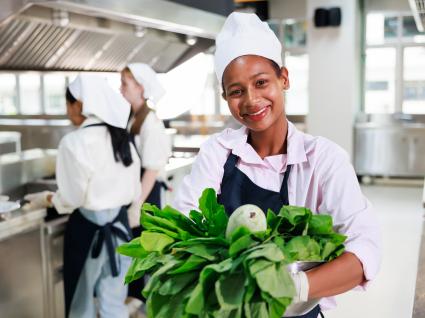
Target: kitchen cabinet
x=390, y=150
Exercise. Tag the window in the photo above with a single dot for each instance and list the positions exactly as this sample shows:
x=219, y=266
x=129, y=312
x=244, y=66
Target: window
x=30, y=93
x=54, y=94
x=8, y=96
x=191, y=87
x=380, y=80
x=293, y=36
x=297, y=95
x=414, y=80
x=381, y=28
x=394, y=65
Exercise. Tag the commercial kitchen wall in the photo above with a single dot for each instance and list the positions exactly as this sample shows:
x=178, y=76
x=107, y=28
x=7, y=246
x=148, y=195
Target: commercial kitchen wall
x=334, y=63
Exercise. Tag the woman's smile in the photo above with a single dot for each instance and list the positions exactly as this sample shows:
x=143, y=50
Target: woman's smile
x=257, y=114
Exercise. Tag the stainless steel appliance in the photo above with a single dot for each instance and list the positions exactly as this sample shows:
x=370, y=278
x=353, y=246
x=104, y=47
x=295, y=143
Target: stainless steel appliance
x=390, y=146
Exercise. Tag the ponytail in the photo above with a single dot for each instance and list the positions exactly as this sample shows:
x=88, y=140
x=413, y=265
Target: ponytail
x=120, y=145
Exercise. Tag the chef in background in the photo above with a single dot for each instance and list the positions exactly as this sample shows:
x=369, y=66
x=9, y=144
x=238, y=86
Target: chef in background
x=142, y=89
x=97, y=173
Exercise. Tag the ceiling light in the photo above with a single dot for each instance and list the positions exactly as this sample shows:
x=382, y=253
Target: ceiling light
x=139, y=31
x=191, y=40
x=60, y=18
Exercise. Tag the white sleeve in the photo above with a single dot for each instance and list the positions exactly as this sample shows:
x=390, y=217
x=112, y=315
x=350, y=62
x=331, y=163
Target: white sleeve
x=207, y=172
x=155, y=144
x=72, y=176
x=352, y=214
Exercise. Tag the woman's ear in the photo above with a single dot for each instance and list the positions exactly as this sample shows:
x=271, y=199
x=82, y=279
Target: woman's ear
x=223, y=94
x=284, y=77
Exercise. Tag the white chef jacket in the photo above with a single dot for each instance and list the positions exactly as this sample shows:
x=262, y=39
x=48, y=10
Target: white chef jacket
x=88, y=175
x=321, y=179
x=153, y=144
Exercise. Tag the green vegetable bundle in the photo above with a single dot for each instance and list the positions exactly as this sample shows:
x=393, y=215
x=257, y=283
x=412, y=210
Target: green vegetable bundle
x=195, y=271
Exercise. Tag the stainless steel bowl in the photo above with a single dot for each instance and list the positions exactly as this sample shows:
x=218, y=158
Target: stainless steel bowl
x=303, y=266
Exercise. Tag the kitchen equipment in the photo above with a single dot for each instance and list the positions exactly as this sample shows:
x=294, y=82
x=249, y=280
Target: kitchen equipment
x=6, y=207
x=303, y=266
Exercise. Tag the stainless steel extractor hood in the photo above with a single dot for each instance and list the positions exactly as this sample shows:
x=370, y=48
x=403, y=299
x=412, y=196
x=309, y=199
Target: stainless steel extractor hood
x=101, y=35
x=418, y=10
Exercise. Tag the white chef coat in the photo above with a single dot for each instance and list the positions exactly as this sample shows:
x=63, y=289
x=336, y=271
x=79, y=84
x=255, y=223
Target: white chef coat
x=153, y=144
x=321, y=179
x=88, y=175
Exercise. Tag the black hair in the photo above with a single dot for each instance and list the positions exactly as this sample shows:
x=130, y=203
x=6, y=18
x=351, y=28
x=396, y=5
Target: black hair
x=120, y=145
x=120, y=138
x=275, y=66
x=69, y=97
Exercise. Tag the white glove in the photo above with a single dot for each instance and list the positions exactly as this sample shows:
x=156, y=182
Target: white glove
x=134, y=214
x=37, y=200
x=300, y=304
x=301, y=286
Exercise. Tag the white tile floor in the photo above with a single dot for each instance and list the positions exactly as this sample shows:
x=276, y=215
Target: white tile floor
x=400, y=212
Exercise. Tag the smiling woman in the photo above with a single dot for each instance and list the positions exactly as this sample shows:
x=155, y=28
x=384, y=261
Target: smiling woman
x=269, y=163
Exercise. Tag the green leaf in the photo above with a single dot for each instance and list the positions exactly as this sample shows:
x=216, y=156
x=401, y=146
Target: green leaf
x=175, y=283
x=208, y=252
x=139, y=266
x=202, y=240
x=155, y=242
x=154, y=282
x=303, y=248
x=199, y=220
x=192, y=263
x=276, y=281
x=132, y=249
x=195, y=305
x=276, y=306
x=256, y=310
x=241, y=244
x=214, y=213
x=230, y=290
x=320, y=224
x=257, y=265
x=269, y=251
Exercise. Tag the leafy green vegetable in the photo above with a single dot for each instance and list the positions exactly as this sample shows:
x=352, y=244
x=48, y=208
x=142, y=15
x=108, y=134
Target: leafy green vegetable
x=196, y=271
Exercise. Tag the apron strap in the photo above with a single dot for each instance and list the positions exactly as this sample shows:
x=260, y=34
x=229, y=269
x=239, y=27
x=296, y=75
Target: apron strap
x=230, y=164
x=284, y=188
x=108, y=234
x=95, y=125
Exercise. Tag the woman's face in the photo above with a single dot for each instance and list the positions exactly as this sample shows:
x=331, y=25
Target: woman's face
x=131, y=89
x=254, y=92
x=74, y=112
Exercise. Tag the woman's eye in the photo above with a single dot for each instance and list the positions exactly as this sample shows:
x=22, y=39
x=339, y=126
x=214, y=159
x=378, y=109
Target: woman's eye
x=235, y=92
x=261, y=82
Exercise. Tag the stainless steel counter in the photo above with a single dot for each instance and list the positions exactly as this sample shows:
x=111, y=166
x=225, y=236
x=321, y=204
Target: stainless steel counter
x=21, y=221
x=390, y=149
x=21, y=273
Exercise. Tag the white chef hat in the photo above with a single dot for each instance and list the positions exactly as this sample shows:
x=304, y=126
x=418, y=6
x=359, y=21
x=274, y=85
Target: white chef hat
x=100, y=99
x=146, y=76
x=245, y=34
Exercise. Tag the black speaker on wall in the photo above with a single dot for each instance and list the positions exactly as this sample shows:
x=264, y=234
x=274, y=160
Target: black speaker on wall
x=324, y=17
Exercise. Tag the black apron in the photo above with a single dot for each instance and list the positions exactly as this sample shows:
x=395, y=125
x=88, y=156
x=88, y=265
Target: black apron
x=237, y=189
x=79, y=234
